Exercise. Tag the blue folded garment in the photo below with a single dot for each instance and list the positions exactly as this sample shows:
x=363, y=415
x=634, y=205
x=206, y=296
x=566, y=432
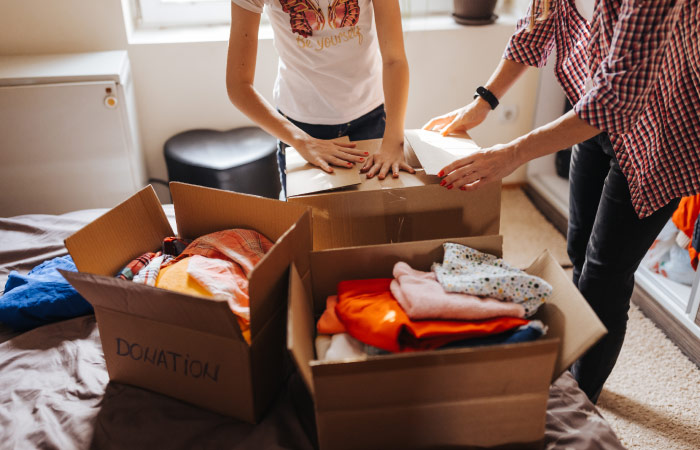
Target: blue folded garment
x=42, y=296
x=526, y=333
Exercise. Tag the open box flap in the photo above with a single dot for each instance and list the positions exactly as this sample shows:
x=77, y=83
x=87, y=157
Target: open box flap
x=344, y=219
x=203, y=314
x=300, y=327
x=435, y=151
x=201, y=210
x=268, y=282
x=574, y=322
x=127, y=231
x=357, y=263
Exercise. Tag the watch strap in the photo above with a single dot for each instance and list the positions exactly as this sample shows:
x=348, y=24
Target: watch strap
x=486, y=95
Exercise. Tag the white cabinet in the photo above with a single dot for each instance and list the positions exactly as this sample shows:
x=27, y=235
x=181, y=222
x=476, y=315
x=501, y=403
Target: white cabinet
x=68, y=133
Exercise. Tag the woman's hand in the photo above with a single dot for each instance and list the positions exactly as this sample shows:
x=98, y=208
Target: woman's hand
x=323, y=153
x=481, y=167
x=389, y=157
x=461, y=119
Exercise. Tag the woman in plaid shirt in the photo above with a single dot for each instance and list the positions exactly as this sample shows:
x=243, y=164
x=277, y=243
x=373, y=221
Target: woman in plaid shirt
x=632, y=71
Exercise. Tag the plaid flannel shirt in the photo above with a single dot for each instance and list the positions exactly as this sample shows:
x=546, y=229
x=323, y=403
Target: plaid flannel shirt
x=643, y=58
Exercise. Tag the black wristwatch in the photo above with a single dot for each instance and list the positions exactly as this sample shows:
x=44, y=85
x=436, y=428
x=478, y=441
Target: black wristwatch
x=487, y=95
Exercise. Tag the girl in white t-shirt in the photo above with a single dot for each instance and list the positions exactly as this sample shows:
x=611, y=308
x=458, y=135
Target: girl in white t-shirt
x=338, y=71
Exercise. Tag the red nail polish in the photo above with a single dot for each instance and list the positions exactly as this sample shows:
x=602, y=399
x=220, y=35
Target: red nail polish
x=442, y=183
x=441, y=173
x=349, y=164
x=450, y=187
x=464, y=188
x=366, y=153
x=362, y=159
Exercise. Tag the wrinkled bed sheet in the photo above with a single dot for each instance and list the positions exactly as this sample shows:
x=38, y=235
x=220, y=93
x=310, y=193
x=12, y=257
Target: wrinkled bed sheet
x=55, y=390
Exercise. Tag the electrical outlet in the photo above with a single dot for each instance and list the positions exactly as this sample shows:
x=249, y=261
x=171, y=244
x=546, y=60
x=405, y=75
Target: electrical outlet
x=508, y=113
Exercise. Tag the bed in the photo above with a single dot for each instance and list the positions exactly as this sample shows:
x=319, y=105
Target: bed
x=55, y=391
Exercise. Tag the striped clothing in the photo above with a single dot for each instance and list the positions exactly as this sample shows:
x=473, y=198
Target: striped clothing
x=644, y=61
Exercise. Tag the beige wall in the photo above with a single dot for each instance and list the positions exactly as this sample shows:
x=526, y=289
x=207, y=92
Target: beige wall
x=60, y=26
x=181, y=86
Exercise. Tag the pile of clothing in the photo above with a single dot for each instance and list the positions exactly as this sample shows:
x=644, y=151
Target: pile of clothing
x=470, y=299
x=42, y=296
x=676, y=250
x=215, y=265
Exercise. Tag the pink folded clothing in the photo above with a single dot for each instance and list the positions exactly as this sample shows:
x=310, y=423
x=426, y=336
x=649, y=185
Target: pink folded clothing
x=423, y=297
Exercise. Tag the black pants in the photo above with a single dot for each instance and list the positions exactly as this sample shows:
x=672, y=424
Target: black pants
x=369, y=126
x=606, y=242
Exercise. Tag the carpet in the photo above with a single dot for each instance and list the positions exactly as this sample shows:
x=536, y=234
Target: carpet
x=652, y=398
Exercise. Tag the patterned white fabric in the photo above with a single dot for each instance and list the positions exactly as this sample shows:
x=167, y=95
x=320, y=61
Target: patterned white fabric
x=470, y=271
x=148, y=274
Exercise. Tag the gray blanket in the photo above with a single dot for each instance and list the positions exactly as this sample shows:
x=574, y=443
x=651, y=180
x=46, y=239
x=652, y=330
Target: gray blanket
x=55, y=390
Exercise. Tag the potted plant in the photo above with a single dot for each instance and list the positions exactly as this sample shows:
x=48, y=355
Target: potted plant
x=474, y=12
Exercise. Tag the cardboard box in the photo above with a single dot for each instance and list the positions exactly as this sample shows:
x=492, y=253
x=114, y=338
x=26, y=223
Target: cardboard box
x=188, y=347
x=410, y=208
x=481, y=397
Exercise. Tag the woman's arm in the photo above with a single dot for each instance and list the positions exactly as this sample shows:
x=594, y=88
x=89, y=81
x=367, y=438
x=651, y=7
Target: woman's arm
x=530, y=45
x=387, y=16
x=497, y=162
x=240, y=74
x=471, y=115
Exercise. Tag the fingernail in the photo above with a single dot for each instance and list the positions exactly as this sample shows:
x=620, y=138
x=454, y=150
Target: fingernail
x=349, y=164
x=450, y=187
x=362, y=159
x=396, y=175
x=443, y=182
x=441, y=173
x=464, y=188
x=366, y=153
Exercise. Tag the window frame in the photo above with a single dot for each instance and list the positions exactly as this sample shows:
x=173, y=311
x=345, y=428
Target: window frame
x=203, y=13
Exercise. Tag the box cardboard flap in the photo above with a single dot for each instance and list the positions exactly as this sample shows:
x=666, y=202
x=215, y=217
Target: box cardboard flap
x=204, y=314
x=345, y=219
x=434, y=376
x=574, y=322
x=435, y=151
x=268, y=282
x=305, y=178
x=329, y=267
x=132, y=228
x=301, y=328
x=201, y=210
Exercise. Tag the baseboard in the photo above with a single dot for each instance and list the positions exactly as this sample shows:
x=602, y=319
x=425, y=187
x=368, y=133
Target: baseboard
x=679, y=334
x=557, y=219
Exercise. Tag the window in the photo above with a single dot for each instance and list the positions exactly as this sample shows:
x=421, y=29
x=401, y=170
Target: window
x=174, y=13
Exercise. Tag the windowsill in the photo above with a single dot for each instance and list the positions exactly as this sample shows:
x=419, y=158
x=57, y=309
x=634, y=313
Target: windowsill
x=220, y=33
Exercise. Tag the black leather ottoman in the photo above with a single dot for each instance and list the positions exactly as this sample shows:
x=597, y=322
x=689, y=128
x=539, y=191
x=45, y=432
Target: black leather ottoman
x=240, y=160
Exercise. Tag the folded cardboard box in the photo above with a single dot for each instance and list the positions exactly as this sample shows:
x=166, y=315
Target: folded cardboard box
x=189, y=347
x=351, y=210
x=470, y=397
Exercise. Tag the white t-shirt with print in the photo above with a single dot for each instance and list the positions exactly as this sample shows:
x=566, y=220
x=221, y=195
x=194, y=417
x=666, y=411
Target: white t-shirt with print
x=330, y=69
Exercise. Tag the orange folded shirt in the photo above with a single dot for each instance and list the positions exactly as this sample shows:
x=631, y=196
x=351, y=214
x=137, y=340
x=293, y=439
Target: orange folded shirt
x=329, y=322
x=371, y=314
x=685, y=217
